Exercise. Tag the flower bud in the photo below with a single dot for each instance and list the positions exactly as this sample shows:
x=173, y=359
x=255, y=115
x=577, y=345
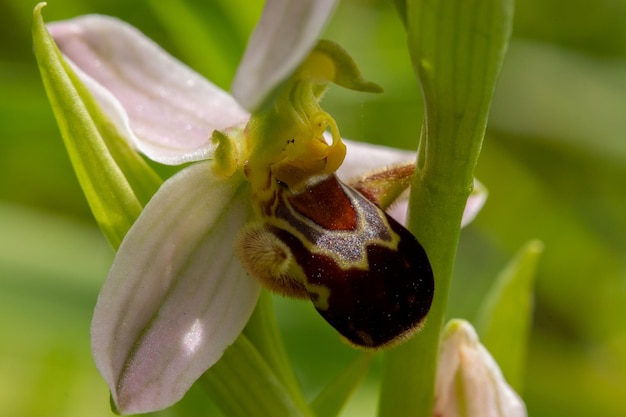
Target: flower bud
x=469, y=381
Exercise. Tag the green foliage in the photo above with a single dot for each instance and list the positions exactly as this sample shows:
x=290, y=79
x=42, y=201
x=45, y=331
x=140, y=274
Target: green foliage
x=331, y=400
x=243, y=384
x=503, y=322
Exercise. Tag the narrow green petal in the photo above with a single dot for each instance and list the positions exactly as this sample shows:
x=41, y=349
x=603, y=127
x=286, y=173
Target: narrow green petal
x=334, y=396
x=504, y=318
x=457, y=47
x=243, y=385
x=329, y=62
x=115, y=180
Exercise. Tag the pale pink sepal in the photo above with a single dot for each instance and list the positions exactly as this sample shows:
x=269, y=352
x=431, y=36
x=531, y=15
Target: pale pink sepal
x=469, y=382
x=362, y=158
x=166, y=110
x=475, y=202
x=176, y=296
x=286, y=33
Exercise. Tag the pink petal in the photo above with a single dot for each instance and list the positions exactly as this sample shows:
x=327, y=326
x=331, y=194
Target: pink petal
x=176, y=296
x=164, y=108
x=284, y=36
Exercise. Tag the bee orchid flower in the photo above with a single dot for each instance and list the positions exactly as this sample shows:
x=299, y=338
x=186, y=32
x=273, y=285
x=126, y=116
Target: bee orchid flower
x=177, y=294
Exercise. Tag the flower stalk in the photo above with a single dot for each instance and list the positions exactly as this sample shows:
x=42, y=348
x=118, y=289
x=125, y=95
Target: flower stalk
x=457, y=48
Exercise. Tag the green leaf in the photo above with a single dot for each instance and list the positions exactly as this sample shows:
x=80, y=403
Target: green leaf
x=262, y=331
x=400, y=6
x=584, y=233
x=503, y=321
x=116, y=181
x=457, y=48
x=579, y=294
x=243, y=384
x=334, y=396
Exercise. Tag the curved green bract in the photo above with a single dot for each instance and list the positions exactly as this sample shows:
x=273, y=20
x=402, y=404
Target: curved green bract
x=116, y=181
x=504, y=319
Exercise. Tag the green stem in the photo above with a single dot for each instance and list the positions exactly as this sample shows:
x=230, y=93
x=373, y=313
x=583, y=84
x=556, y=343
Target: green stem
x=457, y=47
x=409, y=370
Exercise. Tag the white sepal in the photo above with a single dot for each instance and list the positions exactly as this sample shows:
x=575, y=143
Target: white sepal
x=176, y=296
x=166, y=110
x=362, y=158
x=287, y=32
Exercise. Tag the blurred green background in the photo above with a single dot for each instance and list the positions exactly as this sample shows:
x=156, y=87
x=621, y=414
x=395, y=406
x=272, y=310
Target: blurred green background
x=554, y=161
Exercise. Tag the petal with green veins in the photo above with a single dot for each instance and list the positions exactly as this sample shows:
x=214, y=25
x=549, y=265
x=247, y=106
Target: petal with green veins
x=286, y=33
x=176, y=296
x=165, y=109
